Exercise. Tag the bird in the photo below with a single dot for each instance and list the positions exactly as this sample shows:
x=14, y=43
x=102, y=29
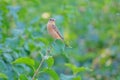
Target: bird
x=54, y=32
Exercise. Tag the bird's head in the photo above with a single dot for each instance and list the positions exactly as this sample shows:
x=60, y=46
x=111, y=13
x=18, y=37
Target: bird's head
x=52, y=21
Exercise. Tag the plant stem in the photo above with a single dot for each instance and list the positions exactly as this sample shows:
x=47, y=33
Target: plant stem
x=36, y=72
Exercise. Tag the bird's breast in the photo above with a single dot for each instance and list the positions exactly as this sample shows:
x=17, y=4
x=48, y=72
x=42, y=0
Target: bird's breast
x=52, y=32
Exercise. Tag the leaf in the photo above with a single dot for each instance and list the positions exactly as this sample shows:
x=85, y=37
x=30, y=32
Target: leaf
x=22, y=77
x=50, y=61
x=80, y=69
x=66, y=77
x=77, y=78
x=77, y=69
x=72, y=67
x=52, y=73
x=25, y=60
x=2, y=75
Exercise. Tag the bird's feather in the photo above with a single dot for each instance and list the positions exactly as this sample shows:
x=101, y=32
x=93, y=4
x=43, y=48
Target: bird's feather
x=57, y=31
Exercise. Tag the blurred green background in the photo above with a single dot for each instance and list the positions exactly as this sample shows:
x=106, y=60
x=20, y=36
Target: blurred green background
x=92, y=28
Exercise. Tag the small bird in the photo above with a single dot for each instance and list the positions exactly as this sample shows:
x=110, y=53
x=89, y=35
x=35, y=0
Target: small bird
x=52, y=29
x=54, y=32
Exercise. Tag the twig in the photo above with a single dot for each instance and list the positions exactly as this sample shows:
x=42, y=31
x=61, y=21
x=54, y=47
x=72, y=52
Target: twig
x=36, y=72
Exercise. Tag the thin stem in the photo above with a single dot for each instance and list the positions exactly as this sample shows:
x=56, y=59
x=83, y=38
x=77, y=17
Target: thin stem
x=36, y=72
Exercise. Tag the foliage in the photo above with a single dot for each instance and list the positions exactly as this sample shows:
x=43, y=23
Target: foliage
x=25, y=60
x=76, y=69
x=91, y=27
x=3, y=76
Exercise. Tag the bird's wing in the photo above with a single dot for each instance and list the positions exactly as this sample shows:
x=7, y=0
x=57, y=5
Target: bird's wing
x=57, y=31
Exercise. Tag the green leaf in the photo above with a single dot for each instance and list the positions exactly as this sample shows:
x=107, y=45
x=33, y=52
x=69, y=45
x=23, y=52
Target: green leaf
x=2, y=75
x=77, y=78
x=50, y=61
x=80, y=69
x=22, y=77
x=77, y=69
x=52, y=73
x=25, y=60
x=72, y=67
x=66, y=77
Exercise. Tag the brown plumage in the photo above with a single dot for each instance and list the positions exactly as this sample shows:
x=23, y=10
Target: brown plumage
x=52, y=29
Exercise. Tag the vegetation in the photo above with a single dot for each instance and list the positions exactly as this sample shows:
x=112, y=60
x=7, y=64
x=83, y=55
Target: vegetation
x=91, y=27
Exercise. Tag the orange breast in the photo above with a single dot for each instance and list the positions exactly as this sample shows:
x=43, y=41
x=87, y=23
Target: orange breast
x=52, y=32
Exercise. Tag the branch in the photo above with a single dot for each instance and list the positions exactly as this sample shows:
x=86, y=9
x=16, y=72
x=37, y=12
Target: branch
x=36, y=72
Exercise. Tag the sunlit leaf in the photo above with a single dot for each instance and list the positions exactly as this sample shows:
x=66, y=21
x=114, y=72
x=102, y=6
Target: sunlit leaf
x=71, y=66
x=76, y=69
x=77, y=78
x=25, y=60
x=3, y=76
x=22, y=77
x=50, y=61
x=52, y=73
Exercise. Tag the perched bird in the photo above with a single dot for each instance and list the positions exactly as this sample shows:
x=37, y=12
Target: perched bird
x=54, y=32
x=52, y=29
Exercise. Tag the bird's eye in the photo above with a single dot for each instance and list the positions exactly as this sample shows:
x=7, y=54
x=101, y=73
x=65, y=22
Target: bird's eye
x=52, y=19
